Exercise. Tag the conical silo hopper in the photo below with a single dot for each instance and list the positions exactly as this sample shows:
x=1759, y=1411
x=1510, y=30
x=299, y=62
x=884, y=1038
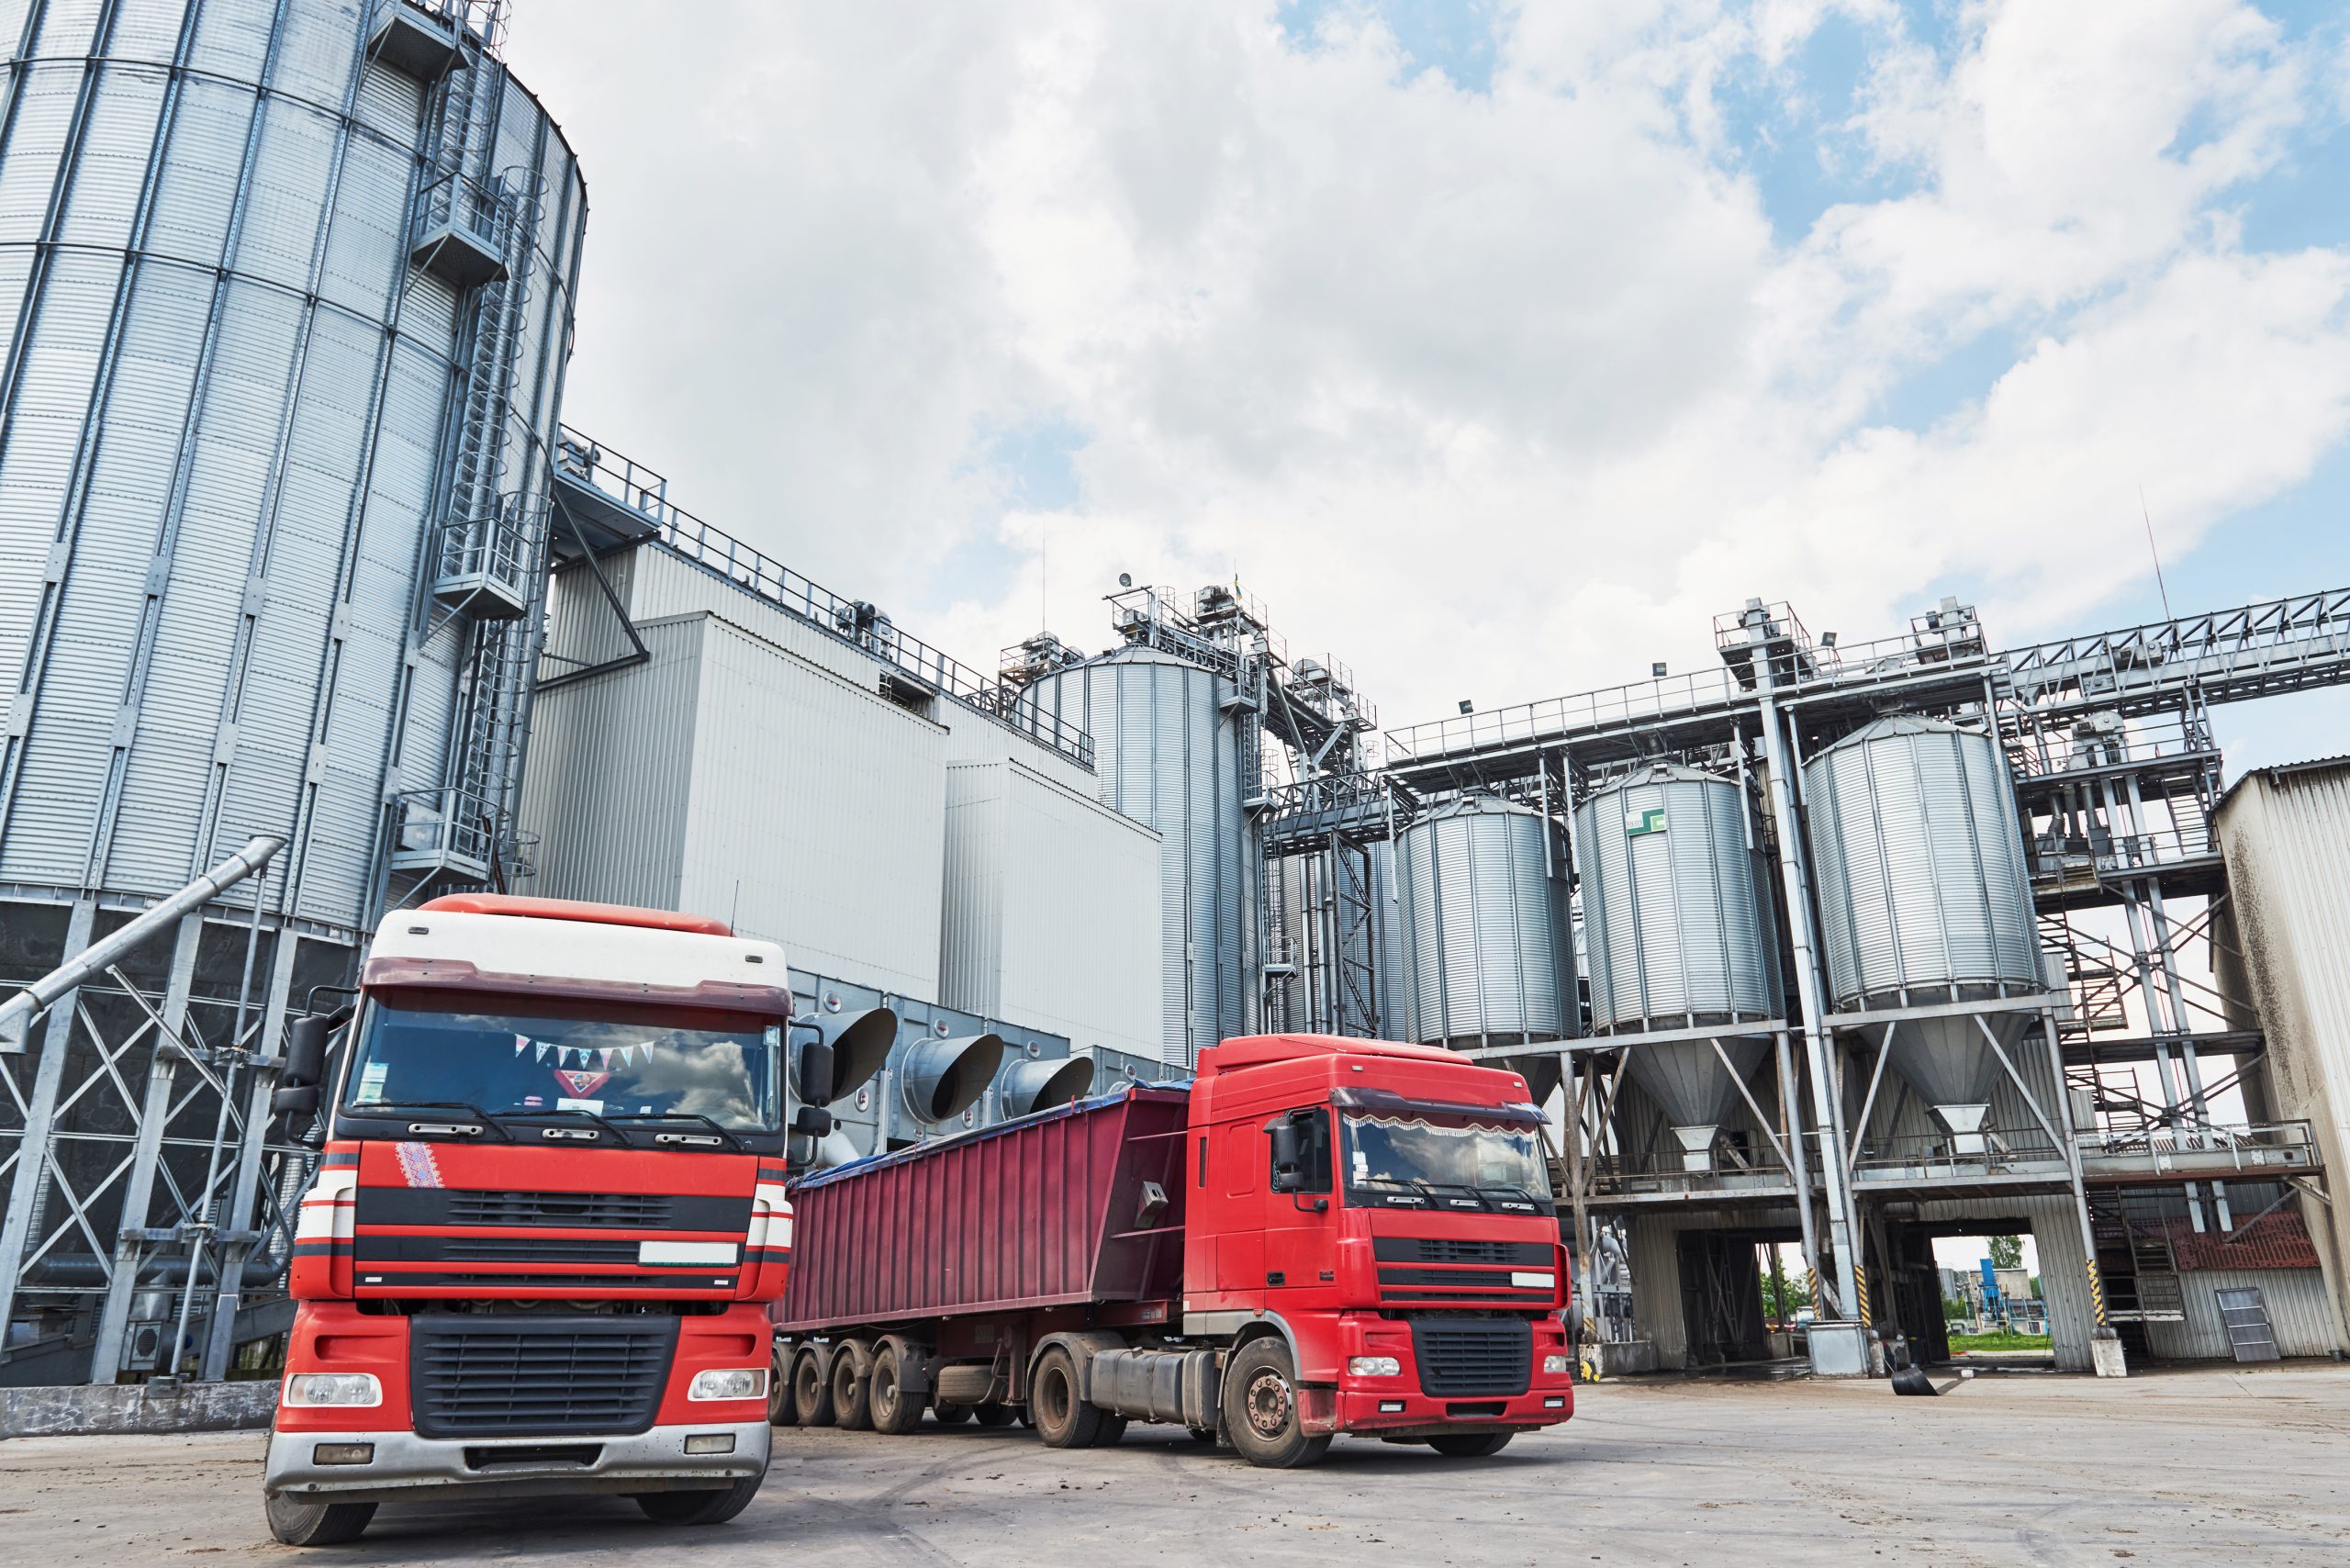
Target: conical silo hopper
x=1693, y=1085
x=1918, y=855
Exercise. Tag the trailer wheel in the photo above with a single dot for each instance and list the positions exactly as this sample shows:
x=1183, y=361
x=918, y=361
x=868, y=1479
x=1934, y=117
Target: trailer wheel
x=951, y=1414
x=699, y=1507
x=1063, y=1419
x=990, y=1414
x=811, y=1391
x=1470, y=1445
x=297, y=1521
x=1261, y=1413
x=853, y=1388
x=894, y=1411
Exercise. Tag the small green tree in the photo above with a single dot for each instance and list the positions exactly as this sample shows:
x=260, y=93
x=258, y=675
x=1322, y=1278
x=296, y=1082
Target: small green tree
x=2007, y=1251
x=1953, y=1311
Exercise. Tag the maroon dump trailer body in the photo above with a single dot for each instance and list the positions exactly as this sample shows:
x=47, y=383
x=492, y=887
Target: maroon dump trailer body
x=1039, y=1214
x=1316, y=1236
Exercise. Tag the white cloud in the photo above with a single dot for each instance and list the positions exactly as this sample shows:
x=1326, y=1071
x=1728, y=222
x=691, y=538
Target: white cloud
x=1495, y=395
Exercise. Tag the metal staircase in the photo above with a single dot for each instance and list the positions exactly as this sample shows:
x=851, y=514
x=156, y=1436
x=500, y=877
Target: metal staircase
x=485, y=560
x=2135, y=1259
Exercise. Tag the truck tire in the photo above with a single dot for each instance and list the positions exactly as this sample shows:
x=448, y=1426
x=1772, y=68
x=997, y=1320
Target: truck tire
x=782, y=1410
x=811, y=1391
x=699, y=1507
x=1470, y=1445
x=852, y=1388
x=1063, y=1419
x=1261, y=1413
x=297, y=1522
x=949, y=1415
x=894, y=1411
x=990, y=1414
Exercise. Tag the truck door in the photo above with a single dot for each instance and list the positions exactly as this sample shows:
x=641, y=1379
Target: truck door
x=1300, y=1256
x=1240, y=1239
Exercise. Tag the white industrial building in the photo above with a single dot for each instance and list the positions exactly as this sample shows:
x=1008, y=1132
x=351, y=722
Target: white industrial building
x=702, y=742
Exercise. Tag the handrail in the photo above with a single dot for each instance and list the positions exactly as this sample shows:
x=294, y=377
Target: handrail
x=855, y=622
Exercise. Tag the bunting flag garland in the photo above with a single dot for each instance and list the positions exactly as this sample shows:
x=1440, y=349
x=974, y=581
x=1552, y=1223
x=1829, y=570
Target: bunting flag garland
x=543, y=1049
x=521, y=1044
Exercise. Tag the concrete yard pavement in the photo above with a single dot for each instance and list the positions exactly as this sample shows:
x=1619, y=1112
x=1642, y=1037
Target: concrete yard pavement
x=2213, y=1467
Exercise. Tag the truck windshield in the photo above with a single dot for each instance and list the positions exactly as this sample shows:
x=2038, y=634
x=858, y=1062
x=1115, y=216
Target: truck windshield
x=1409, y=1161
x=616, y=1062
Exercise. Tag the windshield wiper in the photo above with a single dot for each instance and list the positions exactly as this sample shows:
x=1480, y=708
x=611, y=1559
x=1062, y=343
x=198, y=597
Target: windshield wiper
x=1424, y=1189
x=711, y=1123
x=1531, y=1197
x=527, y=1112
x=399, y=1107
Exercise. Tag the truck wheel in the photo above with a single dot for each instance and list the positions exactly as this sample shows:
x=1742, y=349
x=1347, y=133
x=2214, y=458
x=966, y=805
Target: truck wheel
x=1470, y=1445
x=811, y=1391
x=990, y=1414
x=852, y=1388
x=782, y=1409
x=699, y=1507
x=894, y=1410
x=297, y=1521
x=1260, y=1414
x=949, y=1415
x=1063, y=1420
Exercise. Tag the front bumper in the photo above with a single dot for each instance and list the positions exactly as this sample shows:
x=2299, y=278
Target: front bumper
x=408, y=1466
x=1374, y=1413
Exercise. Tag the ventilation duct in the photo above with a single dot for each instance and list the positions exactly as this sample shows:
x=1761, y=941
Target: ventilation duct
x=942, y=1078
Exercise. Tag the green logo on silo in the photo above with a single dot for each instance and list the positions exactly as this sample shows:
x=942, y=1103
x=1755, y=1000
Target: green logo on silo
x=1638, y=822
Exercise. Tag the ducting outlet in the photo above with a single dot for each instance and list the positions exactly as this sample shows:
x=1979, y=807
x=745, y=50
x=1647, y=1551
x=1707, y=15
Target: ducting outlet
x=860, y=1043
x=942, y=1078
x=1032, y=1086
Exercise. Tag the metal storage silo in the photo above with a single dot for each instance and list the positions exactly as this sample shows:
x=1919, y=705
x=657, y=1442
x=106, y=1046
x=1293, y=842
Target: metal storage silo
x=287, y=290
x=1487, y=957
x=1172, y=748
x=1678, y=933
x=1917, y=856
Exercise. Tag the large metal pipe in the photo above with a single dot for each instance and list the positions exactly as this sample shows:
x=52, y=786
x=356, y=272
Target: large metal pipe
x=17, y=1013
x=942, y=1078
x=1028, y=1086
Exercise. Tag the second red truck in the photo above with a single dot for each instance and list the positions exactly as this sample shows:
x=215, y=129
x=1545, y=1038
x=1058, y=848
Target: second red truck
x=1318, y=1236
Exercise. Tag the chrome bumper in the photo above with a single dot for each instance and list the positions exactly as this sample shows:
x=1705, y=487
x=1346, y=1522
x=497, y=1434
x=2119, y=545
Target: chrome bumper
x=405, y=1465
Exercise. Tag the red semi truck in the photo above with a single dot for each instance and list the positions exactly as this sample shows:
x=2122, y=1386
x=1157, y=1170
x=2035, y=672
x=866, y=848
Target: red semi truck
x=548, y=1214
x=1317, y=1236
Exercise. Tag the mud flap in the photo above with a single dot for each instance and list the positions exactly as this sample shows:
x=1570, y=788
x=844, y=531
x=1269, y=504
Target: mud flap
x=1317, y=1410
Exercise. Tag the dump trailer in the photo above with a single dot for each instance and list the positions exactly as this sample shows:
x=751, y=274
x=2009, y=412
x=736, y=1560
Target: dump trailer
x=1313, y=1237
x=548, y=1218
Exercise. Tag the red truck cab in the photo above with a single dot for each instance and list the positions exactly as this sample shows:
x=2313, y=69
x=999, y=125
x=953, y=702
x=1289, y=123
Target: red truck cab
x=549, y=1212
x=1388, y=1207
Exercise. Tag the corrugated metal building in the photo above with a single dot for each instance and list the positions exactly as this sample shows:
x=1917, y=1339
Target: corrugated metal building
x=1052, y=908
x=732, y=776
x=2283, y=949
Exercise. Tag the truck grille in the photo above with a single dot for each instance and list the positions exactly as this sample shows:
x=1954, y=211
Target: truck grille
x=520, y=1375
x=1451, y=1249
x=643, y=1211
x=1468, y=1358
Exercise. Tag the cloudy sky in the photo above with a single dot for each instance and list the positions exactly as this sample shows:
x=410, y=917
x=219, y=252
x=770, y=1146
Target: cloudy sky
x=1495, y=346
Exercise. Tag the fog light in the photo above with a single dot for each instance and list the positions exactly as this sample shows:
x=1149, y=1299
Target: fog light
x=312, y=1389
x=1391, y=1407
x=711, y=1442
x=728, y=1382
x=1555, y=1402
x=343, y=1453
x=1373, y=1366
x=1558, y=1364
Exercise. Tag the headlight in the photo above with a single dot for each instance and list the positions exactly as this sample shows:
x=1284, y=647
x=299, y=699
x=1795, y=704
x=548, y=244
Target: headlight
x=1557, y=1363
x=310, y=1389
x=730, y=1383
x=1373, y=1366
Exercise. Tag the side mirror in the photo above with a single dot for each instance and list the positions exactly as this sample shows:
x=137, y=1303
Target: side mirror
x=306, y=1049
x=1289, y=1157
x=812, y=1072
x=301, y=1100
x=811, y=1121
